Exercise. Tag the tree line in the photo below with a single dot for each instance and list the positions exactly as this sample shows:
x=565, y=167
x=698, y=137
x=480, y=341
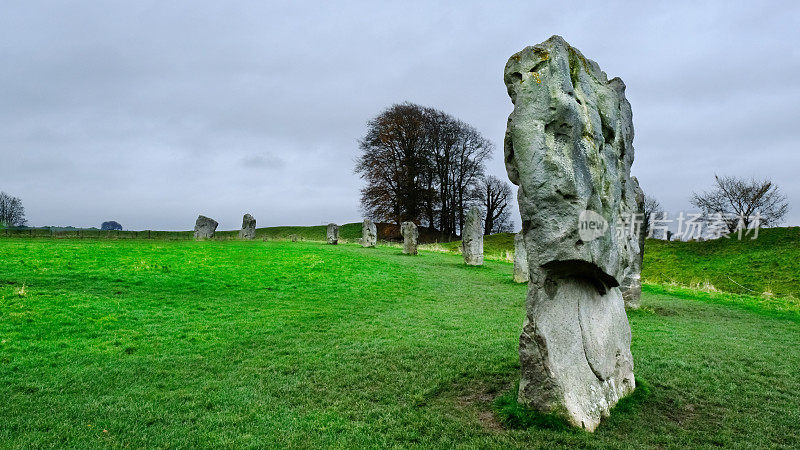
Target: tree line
x=424, y=165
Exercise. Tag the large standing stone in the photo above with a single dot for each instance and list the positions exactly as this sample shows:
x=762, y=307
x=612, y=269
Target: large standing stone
x=333, y=234
x=248, y=230
x=631, y=286
x=520, y=259
x=369, y=234
x=569, y=148
x=410, y=237
x=204, y=228
x=472, y=238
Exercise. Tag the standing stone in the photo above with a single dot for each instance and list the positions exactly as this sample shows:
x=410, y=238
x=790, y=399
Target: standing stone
x=520, y=259
x=369, y=234
x=204, y=228
x=410, y=237
x=569, y=148
x=248, y=227
x=472, y=238
x=333, y=234
x=631, y=286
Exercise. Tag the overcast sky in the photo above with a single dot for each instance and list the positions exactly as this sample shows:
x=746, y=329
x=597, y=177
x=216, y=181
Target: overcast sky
x=150, y=113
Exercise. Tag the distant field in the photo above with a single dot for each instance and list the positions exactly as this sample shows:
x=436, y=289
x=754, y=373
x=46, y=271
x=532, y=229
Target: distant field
x=347, y=232
x=350, y=231
x=496, y=246
x=766, y=267
x=314, y=233
x=226, y=343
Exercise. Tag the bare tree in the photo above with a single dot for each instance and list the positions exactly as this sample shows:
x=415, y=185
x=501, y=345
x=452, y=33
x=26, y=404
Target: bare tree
x=12, y=213
x=392, y=160
x=472, y=150
x=443, y=132
x=652, y=211
x=740, y=200
x=420, y=164
x=457, y=155
x=496, y=198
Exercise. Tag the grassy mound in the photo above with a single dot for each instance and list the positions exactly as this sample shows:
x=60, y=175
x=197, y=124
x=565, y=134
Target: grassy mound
x=769, y=264
x=227, y=343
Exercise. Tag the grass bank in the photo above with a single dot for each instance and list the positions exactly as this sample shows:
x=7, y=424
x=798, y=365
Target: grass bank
x=767, y=267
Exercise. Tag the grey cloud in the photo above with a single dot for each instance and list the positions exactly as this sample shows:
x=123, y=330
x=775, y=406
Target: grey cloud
x=261, y=162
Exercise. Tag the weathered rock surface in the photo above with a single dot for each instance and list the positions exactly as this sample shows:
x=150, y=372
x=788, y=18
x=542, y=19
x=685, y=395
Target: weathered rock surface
x=631, y=286
x=248, y=230
x=333, y=234
x=472, y=238
x=520, y=259
x=205, y=228
x=569, y=148
x=410, y=237
x=369, y=234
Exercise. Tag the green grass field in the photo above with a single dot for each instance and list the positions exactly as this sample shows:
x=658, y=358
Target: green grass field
x=132, y=343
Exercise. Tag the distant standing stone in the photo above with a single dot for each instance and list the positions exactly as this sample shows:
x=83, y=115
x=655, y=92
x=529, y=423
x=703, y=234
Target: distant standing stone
x=520, y=259
x=472, y=238
x=333, y=234
x=369, y=234
x=631, y=286
x=410, y=237
x=248, y=227
x=205, y=227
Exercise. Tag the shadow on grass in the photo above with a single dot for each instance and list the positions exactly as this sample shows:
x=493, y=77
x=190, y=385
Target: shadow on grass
x=512, y=415
x=461, y=264
x=631, y=403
